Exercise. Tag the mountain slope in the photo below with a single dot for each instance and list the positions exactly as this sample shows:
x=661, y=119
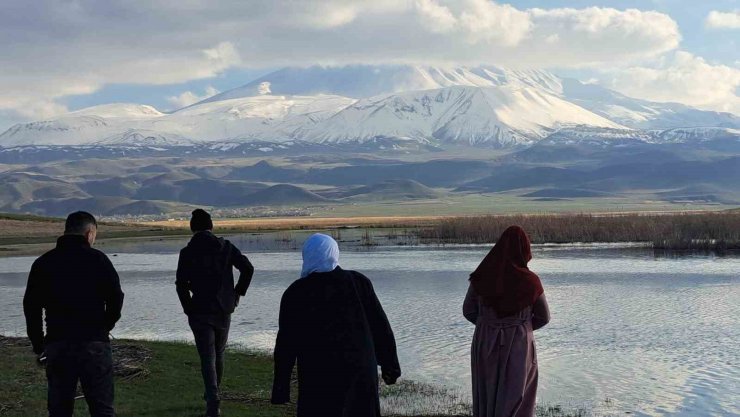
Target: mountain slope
x=642, y=114
x=501, y=116
x=400, y=189
x=357, y=105
x=283, y=195
x=361, y=81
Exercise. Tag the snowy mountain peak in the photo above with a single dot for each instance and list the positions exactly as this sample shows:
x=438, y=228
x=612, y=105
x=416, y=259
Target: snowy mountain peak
x=361, y=81
x=500, y=116
x=483, y=105
x=128, y=110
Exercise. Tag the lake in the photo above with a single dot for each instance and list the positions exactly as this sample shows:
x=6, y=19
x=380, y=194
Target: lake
x=630, y=331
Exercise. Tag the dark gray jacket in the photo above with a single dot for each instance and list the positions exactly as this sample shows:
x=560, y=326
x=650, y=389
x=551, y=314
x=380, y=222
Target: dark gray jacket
x=205, y=275
x=78, y=289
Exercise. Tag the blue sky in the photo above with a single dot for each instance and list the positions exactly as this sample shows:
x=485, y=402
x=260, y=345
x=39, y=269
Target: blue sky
x=65, y=55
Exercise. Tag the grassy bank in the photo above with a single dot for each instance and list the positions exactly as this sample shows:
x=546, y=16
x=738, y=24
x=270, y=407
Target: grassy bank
x=690, y=231
x=167, y=383
x=162, y=379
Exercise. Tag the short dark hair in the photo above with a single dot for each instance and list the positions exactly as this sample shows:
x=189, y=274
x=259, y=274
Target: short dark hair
x=78, y=222
x=200, y=221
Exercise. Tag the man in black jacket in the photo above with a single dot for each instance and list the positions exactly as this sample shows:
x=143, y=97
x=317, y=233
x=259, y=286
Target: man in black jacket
x=205, y=285
x=79, y=290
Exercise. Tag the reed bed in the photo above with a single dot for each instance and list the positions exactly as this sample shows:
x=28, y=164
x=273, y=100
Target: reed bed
x=682, y=231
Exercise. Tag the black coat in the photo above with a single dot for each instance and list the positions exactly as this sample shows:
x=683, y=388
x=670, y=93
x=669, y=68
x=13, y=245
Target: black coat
x=78, y=288
x=333, y=325
x=205, y=275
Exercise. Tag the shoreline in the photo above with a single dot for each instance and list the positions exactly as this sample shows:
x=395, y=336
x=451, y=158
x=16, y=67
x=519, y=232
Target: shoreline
x=163, y=379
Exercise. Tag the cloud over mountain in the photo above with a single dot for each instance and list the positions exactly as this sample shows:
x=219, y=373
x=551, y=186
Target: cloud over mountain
x=683, y=78
x=187, y=98
x=51, y=49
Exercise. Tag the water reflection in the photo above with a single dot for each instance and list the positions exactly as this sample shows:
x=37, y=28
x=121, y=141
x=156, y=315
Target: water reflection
x=630, y=331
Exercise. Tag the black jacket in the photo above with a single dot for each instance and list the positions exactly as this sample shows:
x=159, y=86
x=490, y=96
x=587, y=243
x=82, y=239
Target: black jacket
x=79, y=290
x=334, y=327
x=205, y=275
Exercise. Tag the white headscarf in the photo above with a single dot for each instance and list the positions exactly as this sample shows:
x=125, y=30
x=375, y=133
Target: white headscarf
x=320, y=254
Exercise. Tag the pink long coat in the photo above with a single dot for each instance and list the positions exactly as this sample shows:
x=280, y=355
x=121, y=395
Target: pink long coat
x=503, y=358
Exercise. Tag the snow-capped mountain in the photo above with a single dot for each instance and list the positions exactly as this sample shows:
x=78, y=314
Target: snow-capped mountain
x=695, y=134
x=641, y=114
x=500, y=116
x=366, y=81
x=482, y=106
x=363, y=81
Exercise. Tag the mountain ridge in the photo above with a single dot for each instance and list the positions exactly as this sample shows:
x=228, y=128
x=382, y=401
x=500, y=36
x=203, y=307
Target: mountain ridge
x=479, y=106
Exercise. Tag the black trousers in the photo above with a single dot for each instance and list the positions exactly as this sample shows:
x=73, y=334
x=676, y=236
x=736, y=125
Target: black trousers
x=90, y=363
x=211, y=333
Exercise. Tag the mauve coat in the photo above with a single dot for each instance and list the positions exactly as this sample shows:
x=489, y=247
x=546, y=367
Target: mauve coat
x=503, y=358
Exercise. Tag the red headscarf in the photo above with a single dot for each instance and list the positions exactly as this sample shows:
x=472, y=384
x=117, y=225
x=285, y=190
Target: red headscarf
x=503, y=280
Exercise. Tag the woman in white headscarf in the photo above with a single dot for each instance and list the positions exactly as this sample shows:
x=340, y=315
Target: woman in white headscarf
x=333, y=326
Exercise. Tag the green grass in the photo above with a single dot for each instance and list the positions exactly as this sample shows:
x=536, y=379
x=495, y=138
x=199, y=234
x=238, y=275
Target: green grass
x=163, y=379
x=172, y=386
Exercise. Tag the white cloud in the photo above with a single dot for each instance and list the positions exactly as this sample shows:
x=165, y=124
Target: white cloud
x=187, y=98
x=46, y=46
x=485, y=21
x=723, y=20
x=437, y=17
x=682, y=78
x=599, y=36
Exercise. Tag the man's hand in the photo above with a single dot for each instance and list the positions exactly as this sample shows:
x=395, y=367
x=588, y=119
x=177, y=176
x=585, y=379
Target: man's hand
x=390, y=377
x=41, y=359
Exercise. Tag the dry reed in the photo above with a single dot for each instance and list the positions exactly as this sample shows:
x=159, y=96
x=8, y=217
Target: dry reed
x=691, y=231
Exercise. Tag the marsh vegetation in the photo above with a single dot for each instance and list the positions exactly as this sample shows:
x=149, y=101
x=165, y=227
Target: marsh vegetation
x=683, y=231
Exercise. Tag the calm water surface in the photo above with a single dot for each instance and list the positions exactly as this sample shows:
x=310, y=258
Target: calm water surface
x=630, y=332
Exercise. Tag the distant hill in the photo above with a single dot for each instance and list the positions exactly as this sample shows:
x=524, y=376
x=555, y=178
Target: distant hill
x=283, y=195
x=393, y=190
x=435, y=173
x=701, y=193
x=105, y=206
x=19, y=188
x=266, y=171
x=566, y=193
x=200, y=191
x=141, y=208
x=513, y=178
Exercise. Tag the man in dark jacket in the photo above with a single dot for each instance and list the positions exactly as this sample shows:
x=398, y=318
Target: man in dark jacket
x=79, y=290
x=205, y=285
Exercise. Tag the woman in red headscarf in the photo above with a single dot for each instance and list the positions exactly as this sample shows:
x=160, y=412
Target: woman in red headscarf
x=506, y=303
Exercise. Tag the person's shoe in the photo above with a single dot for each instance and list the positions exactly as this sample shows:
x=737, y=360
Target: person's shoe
x=213, y=410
